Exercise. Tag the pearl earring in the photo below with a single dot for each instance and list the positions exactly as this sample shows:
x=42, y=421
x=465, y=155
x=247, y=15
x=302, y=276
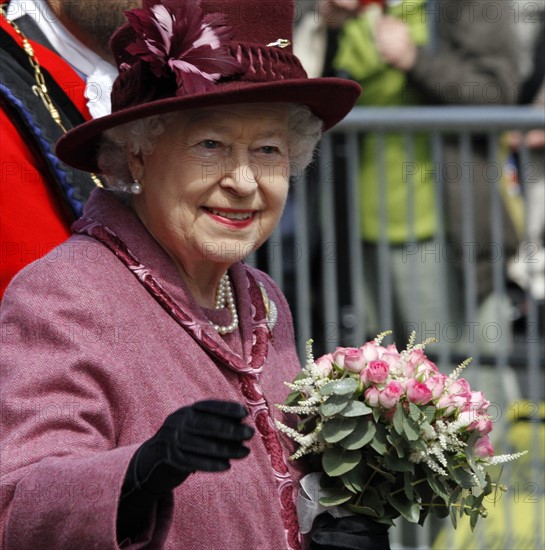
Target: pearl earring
x=136, y=188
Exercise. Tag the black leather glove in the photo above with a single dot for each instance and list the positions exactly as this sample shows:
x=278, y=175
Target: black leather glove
x=348, y=533
x=204, y=436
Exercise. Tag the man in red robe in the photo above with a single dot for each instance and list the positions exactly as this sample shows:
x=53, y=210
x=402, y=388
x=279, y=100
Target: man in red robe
x=40, y=196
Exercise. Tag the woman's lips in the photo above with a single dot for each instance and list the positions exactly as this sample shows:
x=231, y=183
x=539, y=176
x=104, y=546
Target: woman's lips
x=232, y=217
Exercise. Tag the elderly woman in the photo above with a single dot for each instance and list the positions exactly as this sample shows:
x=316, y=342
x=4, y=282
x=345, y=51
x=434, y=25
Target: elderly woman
x=141, y=356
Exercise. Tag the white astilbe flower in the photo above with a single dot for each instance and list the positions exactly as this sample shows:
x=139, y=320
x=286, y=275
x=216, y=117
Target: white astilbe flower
x=428, y=433
x=298, y=409
x=421, y=457
x=300, y=385
x=448, y=436
x=309, y=443
x=310, y=354
x=437, y=450
x=378, y=339
x=500, y=459
x=441, y=439
x=312, y=401
x=455, y=374
x=411, y=346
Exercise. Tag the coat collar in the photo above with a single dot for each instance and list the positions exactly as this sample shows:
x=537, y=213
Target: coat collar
x=107, y=219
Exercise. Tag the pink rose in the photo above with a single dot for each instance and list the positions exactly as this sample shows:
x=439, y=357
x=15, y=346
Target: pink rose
x=392, y=350
x=460, y=387
x=338, y=357
x=416, y=357
x=425, y=370
x=391, y=394
x=376, y=372
x=371, y=352
x=456, y=398
x=394, y=361
x=353, y=360
x=478, y=402
x=451, y=403
x=465, y=418
x=349, y=358
x=371, y=396
x=471, y=421
x=436, y=384
x=483, y=425
x=324, y=364
x=483, y=447
x=417, y=392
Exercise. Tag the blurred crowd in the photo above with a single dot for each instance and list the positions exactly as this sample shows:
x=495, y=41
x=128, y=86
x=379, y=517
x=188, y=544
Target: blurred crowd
x=442, y=53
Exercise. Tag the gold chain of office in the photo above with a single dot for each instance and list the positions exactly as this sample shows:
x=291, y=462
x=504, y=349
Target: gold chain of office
x=40, y=88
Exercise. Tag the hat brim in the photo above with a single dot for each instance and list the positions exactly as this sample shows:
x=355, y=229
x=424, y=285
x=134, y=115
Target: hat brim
x=330, y=99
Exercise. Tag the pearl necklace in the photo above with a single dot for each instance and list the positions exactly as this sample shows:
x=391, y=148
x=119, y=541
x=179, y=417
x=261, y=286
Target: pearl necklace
x=224, y=297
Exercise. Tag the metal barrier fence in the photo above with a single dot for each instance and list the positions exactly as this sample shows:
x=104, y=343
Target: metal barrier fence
x=319, y=259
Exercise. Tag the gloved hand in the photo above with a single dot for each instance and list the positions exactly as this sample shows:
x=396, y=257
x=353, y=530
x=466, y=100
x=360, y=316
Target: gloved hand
x=348, y=533
x=204, y=436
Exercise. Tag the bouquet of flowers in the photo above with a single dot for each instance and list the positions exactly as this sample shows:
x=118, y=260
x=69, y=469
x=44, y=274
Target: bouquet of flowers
x=396, y=436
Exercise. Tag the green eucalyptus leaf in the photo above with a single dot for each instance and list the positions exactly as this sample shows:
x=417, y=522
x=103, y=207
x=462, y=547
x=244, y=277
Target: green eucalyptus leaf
x=407, y=486
x=362, y=510
x=346, y=386
x=356, y=479
x=399, y=419
x=459, y=474
x=397, y=443
x=380, y=443
x=409, y=510
x=334, y=405
x=429, y=412
x=338, y=428
x=337, y=461
x=462, y=509
x=453, y=517
x=473, y=518
x=356, y=408
x=372, y=504
x=361, y=436
x=412, y=431
x=396, y=464
x=414, y=412
x=348, y=485
x=391, y=478
x=336, y=499
x=454, y=496
x=438, y=486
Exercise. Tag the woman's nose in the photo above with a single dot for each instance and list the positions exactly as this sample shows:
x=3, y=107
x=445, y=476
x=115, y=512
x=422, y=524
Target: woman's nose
x=240, y=178
x=240, y=175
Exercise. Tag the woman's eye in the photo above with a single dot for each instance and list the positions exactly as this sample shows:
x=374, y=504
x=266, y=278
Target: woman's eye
x=210, y=144
x=269, y=149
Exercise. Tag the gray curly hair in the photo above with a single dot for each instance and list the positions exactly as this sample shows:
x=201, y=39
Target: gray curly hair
x=140, y=137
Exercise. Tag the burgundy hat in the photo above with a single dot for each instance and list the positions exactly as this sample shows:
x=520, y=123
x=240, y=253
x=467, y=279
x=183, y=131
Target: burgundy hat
x=175, y=55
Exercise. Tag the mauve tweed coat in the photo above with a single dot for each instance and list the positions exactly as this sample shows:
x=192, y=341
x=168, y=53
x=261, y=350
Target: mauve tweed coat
x=91, y=365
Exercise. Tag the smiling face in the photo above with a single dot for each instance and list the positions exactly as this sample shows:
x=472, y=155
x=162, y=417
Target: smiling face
x=215, y=185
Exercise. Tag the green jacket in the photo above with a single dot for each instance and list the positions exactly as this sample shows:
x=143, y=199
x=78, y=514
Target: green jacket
x=385, y=86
